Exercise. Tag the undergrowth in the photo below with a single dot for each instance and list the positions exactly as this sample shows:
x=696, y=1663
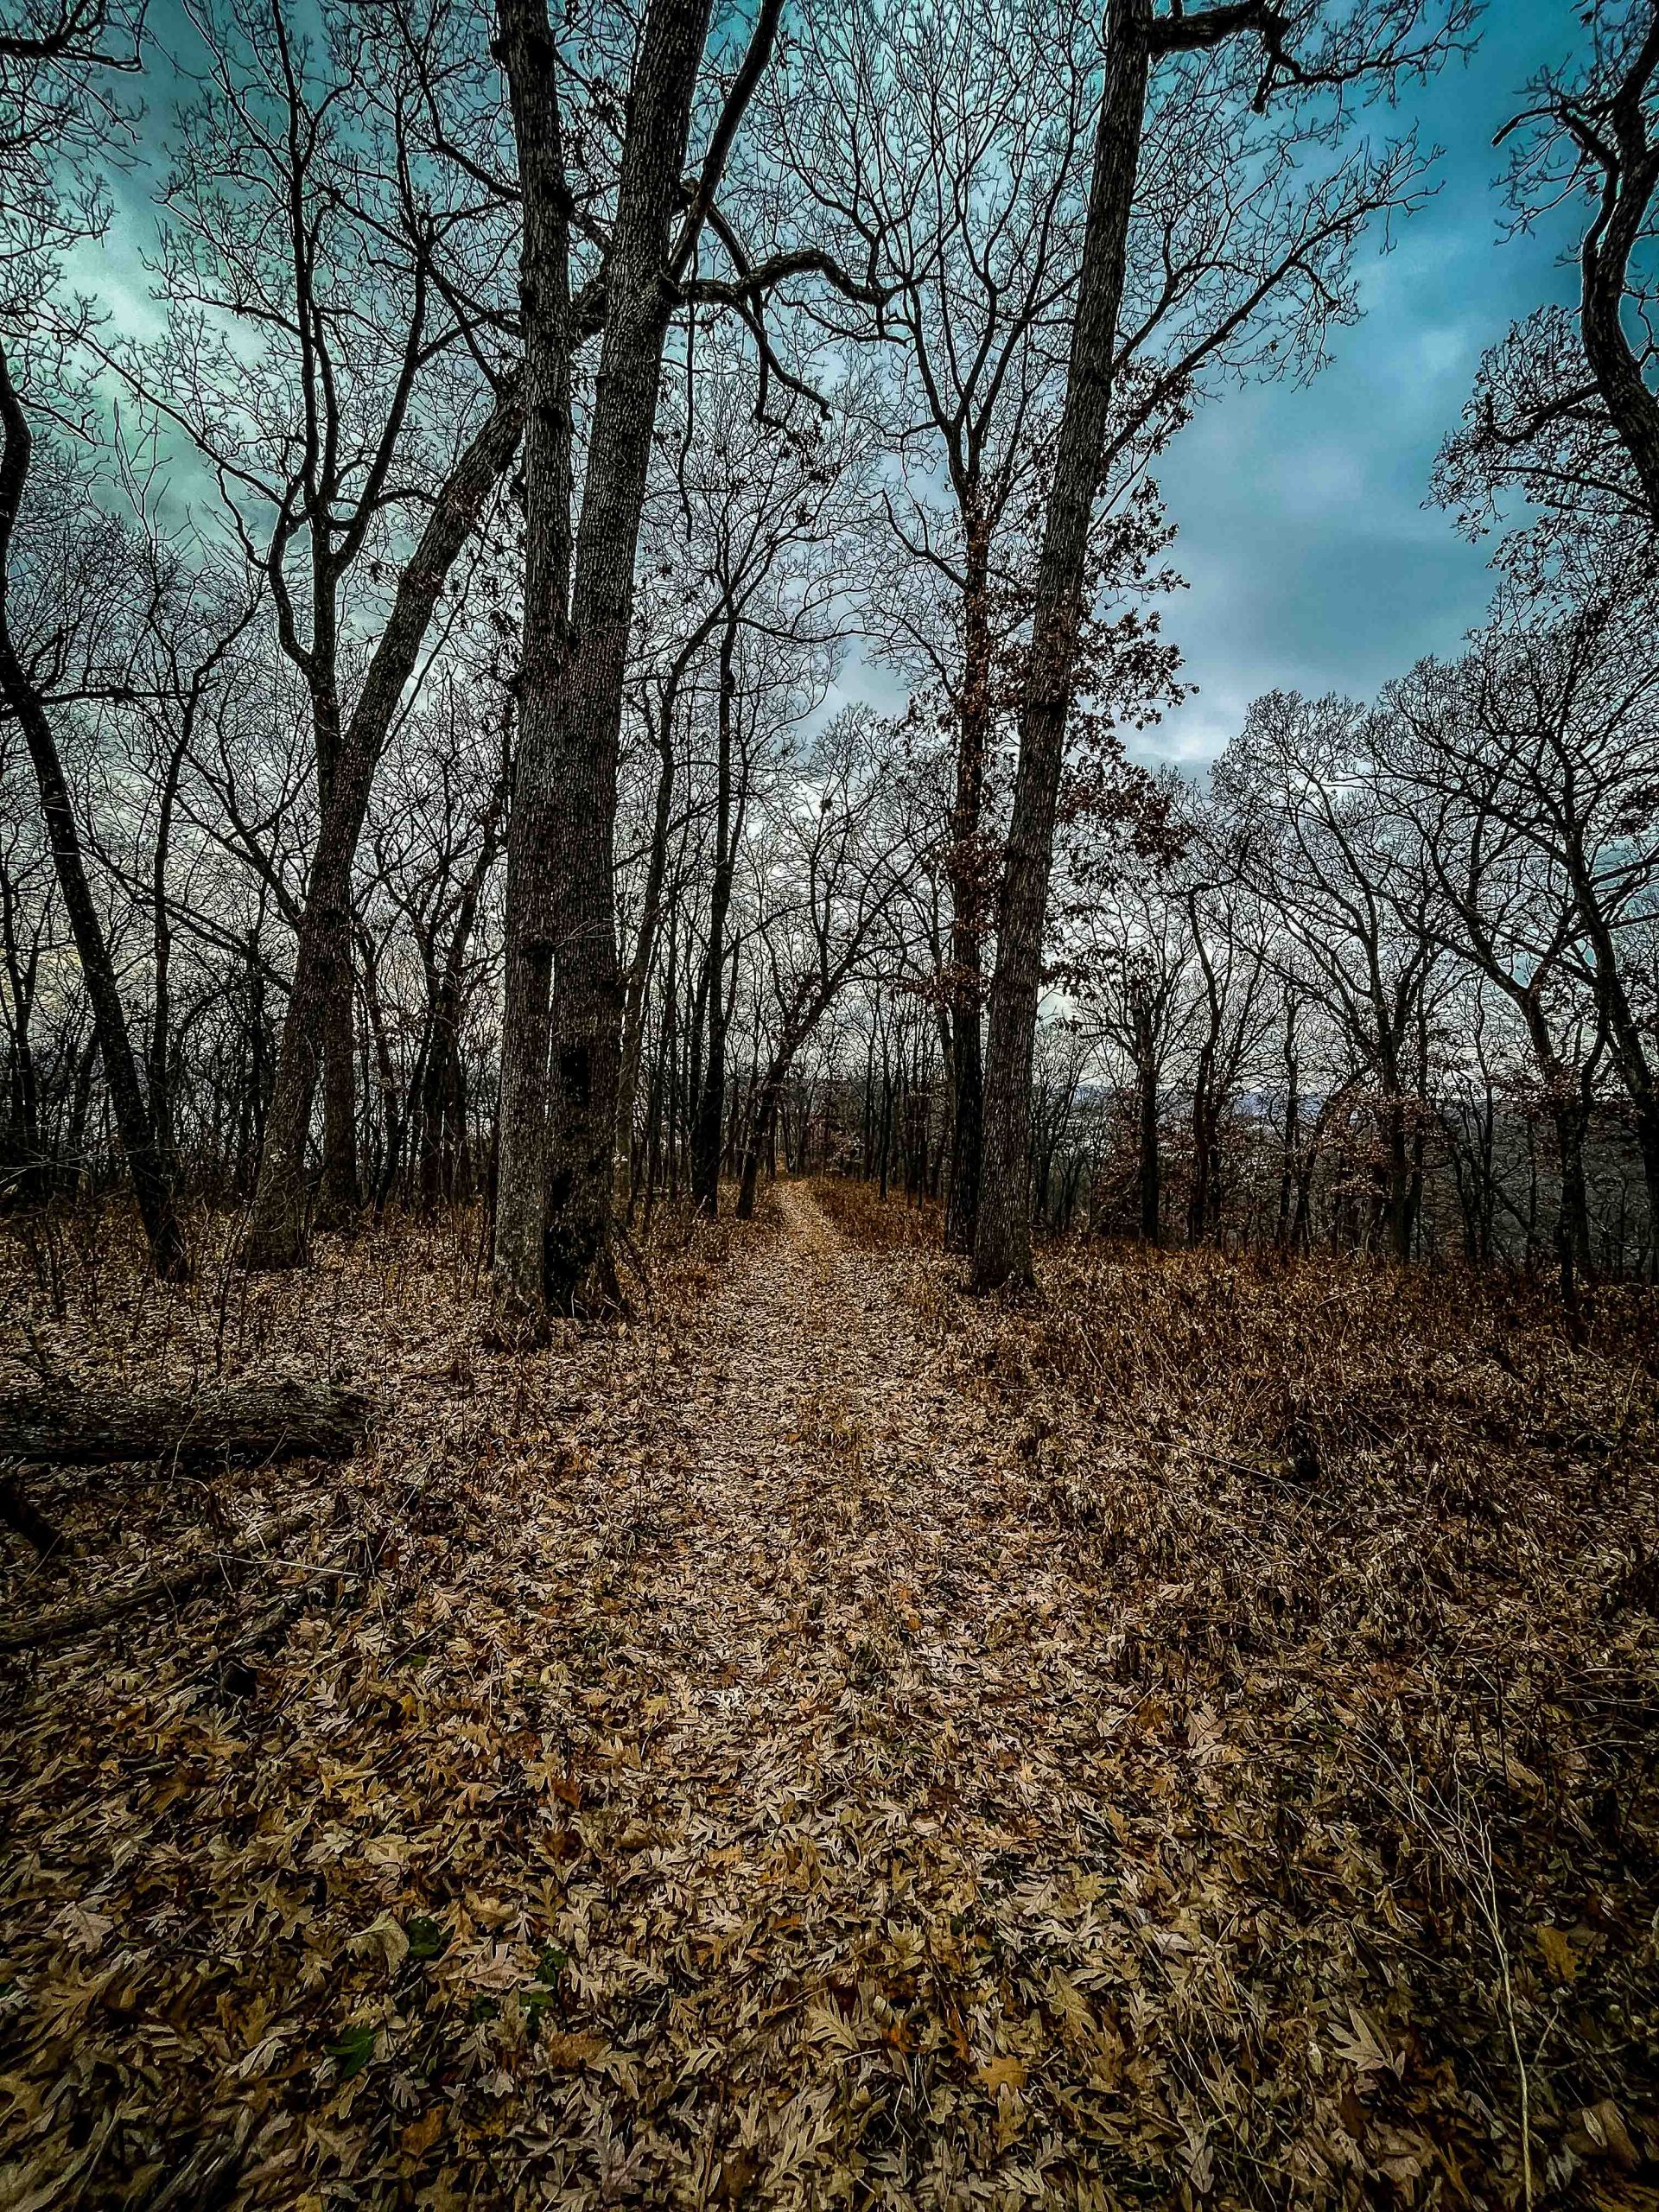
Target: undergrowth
x=1387, y=1541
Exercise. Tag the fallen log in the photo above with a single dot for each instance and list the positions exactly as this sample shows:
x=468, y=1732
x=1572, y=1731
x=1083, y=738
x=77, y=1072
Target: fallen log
x=152, y=1589
x=61, y=1426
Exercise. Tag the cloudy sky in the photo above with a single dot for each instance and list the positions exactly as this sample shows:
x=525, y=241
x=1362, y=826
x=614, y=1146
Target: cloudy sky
x=1313, y=562
x=1312, y=559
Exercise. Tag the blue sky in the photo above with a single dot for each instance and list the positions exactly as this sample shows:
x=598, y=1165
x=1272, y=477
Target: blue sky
x=1311, y=560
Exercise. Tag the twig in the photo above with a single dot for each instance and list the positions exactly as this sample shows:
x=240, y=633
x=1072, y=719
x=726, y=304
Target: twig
x=76, y=1620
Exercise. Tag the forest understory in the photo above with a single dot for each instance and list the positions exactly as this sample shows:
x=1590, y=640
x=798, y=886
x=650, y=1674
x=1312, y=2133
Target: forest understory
x=1182, y=1736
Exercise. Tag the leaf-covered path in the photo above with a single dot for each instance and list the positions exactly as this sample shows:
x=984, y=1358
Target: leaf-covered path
x=829, y=1742
x=846, y=1772
x=697, y=1809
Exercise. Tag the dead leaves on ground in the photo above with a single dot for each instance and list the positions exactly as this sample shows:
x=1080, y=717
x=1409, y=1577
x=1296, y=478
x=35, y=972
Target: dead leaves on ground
x=832, y=1743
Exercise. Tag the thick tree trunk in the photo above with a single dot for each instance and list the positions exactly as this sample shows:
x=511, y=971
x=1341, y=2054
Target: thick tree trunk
x=276, y=1236
x=561, y=1045
x=147, y=1159
x=531, y=60
x=1002, y=1243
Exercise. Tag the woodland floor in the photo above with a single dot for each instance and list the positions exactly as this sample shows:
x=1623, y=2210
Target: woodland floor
x=1186, y=1737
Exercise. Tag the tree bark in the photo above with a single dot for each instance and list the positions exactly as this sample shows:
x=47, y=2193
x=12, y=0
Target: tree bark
x=1002, y=1243
x=276, y=1234
x=1151, y=1164
x=561, y=1044
x=337, y=1193
x=1629, y=179
x=75, y=1426
x=965, y=869
x=711, y=1104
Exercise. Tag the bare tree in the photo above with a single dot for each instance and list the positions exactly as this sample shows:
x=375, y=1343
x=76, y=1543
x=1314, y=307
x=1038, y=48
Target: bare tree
x=1299, y=62
x=1298, y=777
x=1565, y=411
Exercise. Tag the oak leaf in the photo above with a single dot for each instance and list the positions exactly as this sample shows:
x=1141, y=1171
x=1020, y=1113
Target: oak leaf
x=1003, y=2073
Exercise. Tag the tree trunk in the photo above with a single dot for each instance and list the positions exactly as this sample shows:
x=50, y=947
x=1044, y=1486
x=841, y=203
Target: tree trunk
x=1630, y=169
x=561, y=1045
x=1002, y=1243
x=276, y=1234
x=147, y=1160
x=1150, y=1177
x=71, y=1425
x=337, y=1193
x=767, y=1093
x=705, y=1145
x=644, y=951
x=1205, y=1127
x=965, y=872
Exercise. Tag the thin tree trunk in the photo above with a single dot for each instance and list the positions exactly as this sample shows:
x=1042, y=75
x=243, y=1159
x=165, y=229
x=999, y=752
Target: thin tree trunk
x=705, y=1143
x=276, y=1236
x=147, y=1159
x=337, y=1193
x=1151, y=1177
x=644, y=951
x=965, y=871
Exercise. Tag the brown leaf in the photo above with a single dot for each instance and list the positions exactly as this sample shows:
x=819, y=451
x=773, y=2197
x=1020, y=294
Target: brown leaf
x=1001, y=2074
x=1601, y=2133
x=569, y=2052
x=1560, y=1961
x=421, y=2134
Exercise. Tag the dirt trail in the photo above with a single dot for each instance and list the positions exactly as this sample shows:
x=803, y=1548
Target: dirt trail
x=846, y=1759
x=830, y=1543
x=808, y=1381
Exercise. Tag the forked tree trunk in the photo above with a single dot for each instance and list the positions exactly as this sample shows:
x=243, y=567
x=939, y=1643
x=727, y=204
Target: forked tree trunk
x=560, y=1042
x=1002, y=1243
x=147, y=1161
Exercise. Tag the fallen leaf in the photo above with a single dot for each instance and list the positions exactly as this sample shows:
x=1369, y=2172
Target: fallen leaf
x=1001, y=2074
x=385, y=1936
x=421, y=2134
x=569, y=2052
x=1560, y=1961
x=1601, y=2133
